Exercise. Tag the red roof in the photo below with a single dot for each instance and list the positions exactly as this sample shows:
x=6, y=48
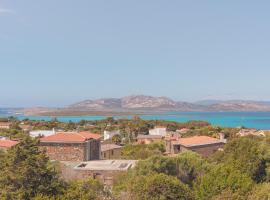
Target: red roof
x=197, y=140
x=7, y=143
x=70, y=137
x=5, y=123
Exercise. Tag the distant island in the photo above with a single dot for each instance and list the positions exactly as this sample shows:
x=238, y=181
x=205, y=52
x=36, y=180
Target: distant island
x=142, y=104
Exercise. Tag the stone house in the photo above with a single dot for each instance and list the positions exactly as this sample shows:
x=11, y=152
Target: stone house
x=103, y=170
x=110, y=151
x=25, y=127
x=5, y=144
x=203, y=145
x=72, y=146
x=5, y=125
x=148, y=139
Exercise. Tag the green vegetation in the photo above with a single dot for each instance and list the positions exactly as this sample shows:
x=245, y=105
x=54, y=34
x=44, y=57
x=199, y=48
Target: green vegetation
x=142, y=151
x=241, y=171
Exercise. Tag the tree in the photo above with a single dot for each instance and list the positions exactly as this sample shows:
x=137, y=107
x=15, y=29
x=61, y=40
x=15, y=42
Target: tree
x=117, y=139
x=142, y=151
x=220, y=178
x=26, y=172
x=190, y=166
x=156, y=164
x=260, y=192
x=158, y=187
x=246, y=155
x=84, y=190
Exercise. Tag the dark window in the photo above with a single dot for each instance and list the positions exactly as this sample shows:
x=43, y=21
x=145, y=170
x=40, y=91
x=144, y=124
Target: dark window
x=112, y=152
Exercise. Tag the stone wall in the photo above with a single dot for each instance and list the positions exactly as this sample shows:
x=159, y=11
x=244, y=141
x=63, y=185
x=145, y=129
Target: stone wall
x=111, y=154
x=106, y=177
x=205, y=150
x=65, y=152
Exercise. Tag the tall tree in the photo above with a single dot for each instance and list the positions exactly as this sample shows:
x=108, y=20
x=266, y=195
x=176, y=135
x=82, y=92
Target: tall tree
x=26, y=172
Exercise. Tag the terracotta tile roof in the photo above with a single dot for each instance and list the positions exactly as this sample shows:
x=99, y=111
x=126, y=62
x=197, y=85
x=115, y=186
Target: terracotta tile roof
x=5, y=123
x=70, y=137
x=90, y=135
x=198, y=140
x=7, y=143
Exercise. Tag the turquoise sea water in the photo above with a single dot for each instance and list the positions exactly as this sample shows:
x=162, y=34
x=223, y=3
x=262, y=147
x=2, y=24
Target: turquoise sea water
x=259, y=120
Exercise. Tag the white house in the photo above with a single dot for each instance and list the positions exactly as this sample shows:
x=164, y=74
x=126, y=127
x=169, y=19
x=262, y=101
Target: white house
x=158, y=130
x=109, y=134
x=41, y=133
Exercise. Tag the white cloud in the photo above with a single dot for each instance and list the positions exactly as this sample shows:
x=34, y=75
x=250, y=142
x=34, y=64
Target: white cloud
x=6, y=11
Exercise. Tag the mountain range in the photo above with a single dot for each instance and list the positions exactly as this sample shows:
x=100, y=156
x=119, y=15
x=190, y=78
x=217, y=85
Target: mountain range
x=139, y=104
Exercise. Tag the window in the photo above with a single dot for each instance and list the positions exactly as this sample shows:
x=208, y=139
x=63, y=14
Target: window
x=112, y=152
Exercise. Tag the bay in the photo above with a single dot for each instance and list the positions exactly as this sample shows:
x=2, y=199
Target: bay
x=258, y=120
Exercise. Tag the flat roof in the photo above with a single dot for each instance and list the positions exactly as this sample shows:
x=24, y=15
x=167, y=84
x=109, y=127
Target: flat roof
x=106, y=165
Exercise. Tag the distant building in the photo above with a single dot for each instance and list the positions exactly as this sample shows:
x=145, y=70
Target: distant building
x=108, y=135
x=72, y=146
x=5, y=144
x=148, y=139
x=203, y=145
x=183, y=130
x=5, y=125
x=254, y=132
x=25, y=127
x=110, y=151
x=158, y=130
x=103, y=170
x=41, y=133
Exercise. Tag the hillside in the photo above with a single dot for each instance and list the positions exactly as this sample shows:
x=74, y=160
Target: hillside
x=142, y=104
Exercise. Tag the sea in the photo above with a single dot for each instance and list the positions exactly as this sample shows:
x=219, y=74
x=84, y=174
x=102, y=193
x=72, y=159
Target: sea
x=258, y=120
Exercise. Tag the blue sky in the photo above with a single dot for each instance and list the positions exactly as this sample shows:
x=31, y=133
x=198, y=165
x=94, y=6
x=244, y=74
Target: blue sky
x=54, y=53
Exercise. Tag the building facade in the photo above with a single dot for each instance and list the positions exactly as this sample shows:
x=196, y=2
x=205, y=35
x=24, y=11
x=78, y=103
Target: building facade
x=203, y=145
x=5, y=144
x=110, y=151
x=72, y=146
x=103, y=170
x=158, y=130
x=5, y=125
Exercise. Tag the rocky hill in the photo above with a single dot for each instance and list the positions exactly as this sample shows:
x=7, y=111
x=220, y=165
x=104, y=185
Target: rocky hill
x=136, y=102
x=142, y=104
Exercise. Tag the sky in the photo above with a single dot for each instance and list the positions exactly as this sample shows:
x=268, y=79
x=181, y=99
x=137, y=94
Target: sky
x=54, y=53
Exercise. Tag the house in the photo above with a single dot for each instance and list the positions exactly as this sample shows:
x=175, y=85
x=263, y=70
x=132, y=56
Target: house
x=203, y=145
x=183, y=130
x=158, y=130
x=72, y=146
x=148, y=139
x=108, y=135
x=5, y=125
x=254, y=132
x=25, y=127
x=103, y=170
x=41, y=133
x=110, y=151
x=5, y=144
